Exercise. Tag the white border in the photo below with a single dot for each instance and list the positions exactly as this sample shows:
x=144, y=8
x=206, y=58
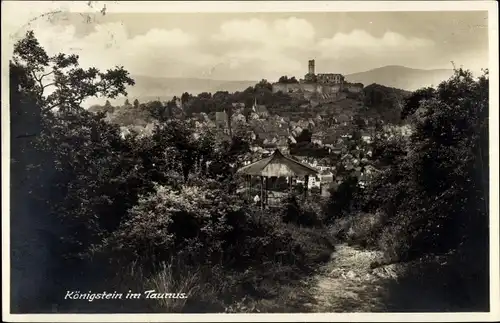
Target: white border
x=253, y=6
x=35, y=8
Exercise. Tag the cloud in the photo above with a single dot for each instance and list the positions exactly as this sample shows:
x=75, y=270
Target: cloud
x=360, y=43
x=265, y=48
x=293, y=32
x=253, y=30
x=244, y=49
x=159, y=52
x=281, y=33
x=284, y=46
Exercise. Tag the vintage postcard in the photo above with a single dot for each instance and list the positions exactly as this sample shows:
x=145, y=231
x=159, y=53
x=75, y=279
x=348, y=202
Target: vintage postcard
x=250, y=161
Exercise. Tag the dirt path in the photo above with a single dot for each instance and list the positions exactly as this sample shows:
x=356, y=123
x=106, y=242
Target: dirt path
x=348, y=284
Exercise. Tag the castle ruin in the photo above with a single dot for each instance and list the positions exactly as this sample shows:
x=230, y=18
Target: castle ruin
x=323, y=79
x=322, y=87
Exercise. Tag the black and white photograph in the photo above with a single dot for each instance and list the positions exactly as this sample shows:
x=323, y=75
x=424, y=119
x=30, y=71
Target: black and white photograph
x=304, y=160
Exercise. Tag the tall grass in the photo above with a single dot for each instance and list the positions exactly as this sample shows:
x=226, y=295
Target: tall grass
x=165, y=281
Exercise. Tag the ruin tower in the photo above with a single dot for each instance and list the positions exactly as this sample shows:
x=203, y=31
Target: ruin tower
x=311, y=66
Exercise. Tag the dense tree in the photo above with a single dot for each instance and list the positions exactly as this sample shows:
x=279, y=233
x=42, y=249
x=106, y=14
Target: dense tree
x=67, y=127
x=450, y=149
x=412, y=102
x=305, y=136
x=185, y=97
x=71, y=170
x=263, y=85
x=386, y=101
x=306, y=148
x=434, y=190
x=285, y=79
x=70, y=83
x=184, y=150
x=342, y=197
x=158, y=110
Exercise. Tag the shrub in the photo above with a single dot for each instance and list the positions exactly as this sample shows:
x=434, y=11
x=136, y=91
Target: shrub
x=187, y=223
x=435, y=196
x=362, y=229
x=302, y=212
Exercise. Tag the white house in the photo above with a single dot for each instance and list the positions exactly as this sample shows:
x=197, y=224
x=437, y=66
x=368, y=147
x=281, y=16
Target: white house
x=313, y=181
x=367, y=139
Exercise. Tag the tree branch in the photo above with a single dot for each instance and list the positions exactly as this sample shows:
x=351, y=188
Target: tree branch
x=47, y=109
x=47, y=85
x=40, y=83
x=46, y=74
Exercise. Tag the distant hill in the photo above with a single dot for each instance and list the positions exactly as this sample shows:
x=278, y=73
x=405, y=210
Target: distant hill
x=152, y=87
x=401, y=77
x=148, y=88
x=164, y=88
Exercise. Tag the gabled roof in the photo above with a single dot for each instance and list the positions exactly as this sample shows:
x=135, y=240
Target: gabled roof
x=326, y=172
x=277, y=165
x=318, y=135
x=282, y=132
x=260, y=109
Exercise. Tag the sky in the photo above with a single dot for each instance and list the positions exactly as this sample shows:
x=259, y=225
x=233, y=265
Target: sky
x=252, y=46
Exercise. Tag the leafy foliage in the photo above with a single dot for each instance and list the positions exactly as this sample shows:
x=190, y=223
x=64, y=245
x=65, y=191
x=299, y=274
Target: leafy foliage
x=432, y=193
x=435, y=182
x=70, y=83
x=385, y=100
x=285, y=79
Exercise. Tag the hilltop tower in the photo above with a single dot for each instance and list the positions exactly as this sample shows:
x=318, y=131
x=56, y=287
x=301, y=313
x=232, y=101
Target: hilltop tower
x=311, y=66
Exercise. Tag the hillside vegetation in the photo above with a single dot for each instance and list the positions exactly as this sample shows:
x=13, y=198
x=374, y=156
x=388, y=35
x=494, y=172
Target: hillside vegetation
x=376, y=102
x=429, y=205
x=165, y=88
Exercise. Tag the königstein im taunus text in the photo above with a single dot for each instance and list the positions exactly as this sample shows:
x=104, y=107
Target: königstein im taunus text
x=149, y=294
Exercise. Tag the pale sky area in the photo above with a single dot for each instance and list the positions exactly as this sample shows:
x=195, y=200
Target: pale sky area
x=252, y=46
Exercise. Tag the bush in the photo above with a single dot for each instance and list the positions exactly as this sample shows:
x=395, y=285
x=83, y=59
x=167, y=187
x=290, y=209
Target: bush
x=394, y=241
x=252, y=254
x=302, y=212
x=362, y=229
x=189, y=223
x=433, y=193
